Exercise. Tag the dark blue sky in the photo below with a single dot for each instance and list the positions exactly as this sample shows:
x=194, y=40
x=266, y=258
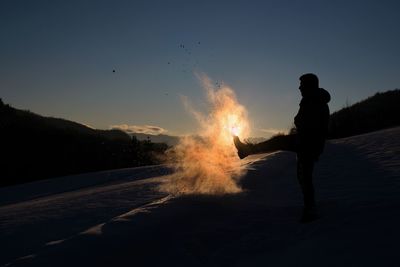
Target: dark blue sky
x=57, y=57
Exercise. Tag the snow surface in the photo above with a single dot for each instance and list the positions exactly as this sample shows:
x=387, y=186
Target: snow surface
x=123, y=220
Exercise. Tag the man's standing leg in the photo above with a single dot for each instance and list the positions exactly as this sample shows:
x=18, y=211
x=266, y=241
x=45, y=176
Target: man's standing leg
x=305, y=167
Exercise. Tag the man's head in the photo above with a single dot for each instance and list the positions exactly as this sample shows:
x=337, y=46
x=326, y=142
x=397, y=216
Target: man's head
x=308, y=84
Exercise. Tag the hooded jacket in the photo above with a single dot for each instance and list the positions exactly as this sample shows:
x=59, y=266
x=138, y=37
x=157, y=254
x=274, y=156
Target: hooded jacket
x=312, y=123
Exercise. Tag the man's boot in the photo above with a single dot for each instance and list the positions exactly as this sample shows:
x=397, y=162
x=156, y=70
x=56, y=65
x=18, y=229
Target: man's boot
x=243, y=149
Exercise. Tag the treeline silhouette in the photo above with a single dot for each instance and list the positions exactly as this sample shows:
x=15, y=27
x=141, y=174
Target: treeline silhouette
x=374, y=113
x=377, y=112
x=34, y=147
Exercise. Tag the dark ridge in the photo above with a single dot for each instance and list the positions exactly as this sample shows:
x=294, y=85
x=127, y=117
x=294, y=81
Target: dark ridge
x=35, y=147
x=374, y=113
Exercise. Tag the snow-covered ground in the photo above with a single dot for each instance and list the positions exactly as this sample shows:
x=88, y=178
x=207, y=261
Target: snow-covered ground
x=123, y=220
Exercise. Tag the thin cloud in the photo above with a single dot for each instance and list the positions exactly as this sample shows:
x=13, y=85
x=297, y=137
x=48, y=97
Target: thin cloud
x=87, y=125
x=145, y=129
x=272, y=131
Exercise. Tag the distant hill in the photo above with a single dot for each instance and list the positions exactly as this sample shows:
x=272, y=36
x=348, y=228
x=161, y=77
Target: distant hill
x=36, y=147
x=160, y=138
x=374, y=113
x=12, y=117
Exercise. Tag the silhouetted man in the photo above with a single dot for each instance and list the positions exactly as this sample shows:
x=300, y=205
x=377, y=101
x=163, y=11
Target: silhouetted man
x=308, y=142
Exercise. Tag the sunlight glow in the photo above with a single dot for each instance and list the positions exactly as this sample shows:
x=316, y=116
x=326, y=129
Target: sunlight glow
x=207, y=162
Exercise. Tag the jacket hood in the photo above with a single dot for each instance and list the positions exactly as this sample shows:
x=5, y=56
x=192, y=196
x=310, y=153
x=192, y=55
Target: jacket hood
x=323, y=95
x=319, y=95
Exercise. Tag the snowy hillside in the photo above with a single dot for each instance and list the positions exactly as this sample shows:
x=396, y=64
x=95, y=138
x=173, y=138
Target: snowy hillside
x=123, y=220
